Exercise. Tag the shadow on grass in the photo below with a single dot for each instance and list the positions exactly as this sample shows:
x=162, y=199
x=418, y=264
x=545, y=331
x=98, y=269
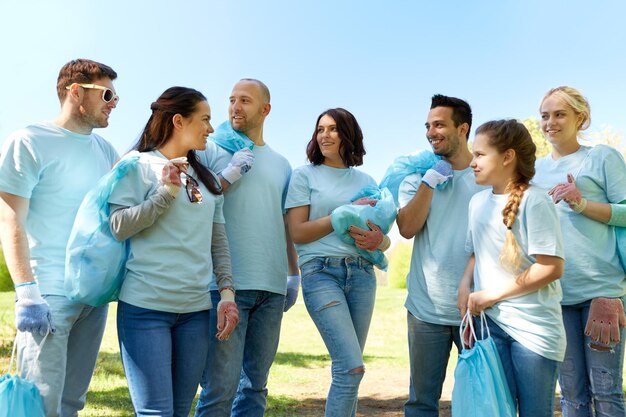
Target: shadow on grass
x=116, y=400
x=299, y=360
x=284, y=406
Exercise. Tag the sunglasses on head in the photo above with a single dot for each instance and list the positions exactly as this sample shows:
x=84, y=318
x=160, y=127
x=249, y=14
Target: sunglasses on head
x=107, y=94
x=193, y=192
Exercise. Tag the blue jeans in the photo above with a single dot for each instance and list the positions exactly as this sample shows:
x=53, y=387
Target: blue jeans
x=161, y=352
x=63, y=368
x=530, y=376
x=429, y=352
x=236, y=371
x=339, y=294
x=589, y=378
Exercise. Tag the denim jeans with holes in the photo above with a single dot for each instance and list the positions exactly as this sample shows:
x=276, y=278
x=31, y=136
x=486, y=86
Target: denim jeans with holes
x=589, y=378
x=339, y=295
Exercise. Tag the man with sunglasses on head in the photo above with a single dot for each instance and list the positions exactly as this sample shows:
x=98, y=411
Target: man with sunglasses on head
x=45, y=171
x=234, y=382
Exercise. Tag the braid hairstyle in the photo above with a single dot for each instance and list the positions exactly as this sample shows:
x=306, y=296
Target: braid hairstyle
x=504, y=135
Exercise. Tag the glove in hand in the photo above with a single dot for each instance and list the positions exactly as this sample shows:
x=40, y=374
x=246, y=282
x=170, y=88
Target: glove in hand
x=293, y=285
x=439, y=174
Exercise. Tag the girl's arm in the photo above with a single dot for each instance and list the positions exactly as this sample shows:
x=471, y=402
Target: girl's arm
x=465, y=286
x=303, y=230
x=545, y=270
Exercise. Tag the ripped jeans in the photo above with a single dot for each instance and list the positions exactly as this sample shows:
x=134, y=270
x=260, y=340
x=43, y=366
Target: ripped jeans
x=339, y=295
x=589, y=378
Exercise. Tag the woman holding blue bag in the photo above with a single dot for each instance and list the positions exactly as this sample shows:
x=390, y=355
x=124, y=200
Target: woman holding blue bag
x=588, y=187
x=338, y=285
x=515, y=238
x=164, y=302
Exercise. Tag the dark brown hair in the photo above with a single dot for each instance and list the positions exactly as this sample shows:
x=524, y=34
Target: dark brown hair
x=160, y=127
x=351, y=148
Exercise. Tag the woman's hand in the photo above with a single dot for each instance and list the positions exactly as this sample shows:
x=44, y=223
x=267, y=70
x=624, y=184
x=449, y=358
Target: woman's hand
x=368, y=240
x=170, y=178
x=481, y=300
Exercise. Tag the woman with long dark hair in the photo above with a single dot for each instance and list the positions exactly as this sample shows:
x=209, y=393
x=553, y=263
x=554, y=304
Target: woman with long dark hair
x=163, y=310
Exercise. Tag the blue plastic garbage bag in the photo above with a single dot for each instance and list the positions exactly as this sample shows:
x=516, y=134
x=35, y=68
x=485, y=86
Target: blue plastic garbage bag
x=382, y=214
x=417, y=162
x=18, y=396
x=231, y=140
x=480, y=386
x=95, y=261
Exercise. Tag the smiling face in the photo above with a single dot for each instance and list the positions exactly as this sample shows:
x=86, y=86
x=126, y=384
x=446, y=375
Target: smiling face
x=197, y=127
x=248, y=107
x=489, y=164
x=329, y=141
x=93, y=112
x=443, y=136
x=559, y=121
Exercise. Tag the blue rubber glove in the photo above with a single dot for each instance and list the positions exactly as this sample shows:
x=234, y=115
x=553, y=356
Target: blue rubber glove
x=293, y=285
x=32, y=313
x=240, y=163
x=439, y=174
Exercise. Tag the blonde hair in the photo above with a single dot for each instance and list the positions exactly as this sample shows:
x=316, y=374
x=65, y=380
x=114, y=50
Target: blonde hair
x=573, y=98
x=504, y=135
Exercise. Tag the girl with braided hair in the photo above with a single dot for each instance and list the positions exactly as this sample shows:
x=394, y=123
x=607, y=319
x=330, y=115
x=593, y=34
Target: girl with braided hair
x=517, y=258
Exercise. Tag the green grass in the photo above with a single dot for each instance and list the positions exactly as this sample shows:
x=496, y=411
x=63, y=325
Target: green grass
x=302, y=359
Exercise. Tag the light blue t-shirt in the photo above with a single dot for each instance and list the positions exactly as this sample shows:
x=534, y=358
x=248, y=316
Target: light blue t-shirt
x=54, y=168
x=169, y=266
x=324, y=188
x=254, y=208
x=439, y=256
x=534, y=319
x=592, y=267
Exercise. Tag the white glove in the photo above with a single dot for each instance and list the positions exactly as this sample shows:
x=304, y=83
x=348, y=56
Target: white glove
x=440, y=173
x=240, y=163
x=32, y=313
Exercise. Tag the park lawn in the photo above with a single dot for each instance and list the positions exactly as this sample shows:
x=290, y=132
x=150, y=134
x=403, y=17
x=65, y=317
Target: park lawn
x=300, y=374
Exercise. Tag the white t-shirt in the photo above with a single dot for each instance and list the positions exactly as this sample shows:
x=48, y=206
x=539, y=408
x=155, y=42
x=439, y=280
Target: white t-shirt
x=534, y=319
x=54, y=168
x=323, y=189
x=592, y=267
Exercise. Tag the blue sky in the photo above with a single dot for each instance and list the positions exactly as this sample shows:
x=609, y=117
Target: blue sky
x=380, y=60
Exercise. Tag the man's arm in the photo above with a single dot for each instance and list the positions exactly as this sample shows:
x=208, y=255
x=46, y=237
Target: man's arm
x=32, y=313
x=13, y=212
x=412, y=217
x=292, y=255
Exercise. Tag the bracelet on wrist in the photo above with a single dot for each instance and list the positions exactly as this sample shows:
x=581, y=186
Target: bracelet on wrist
x=24, y=284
